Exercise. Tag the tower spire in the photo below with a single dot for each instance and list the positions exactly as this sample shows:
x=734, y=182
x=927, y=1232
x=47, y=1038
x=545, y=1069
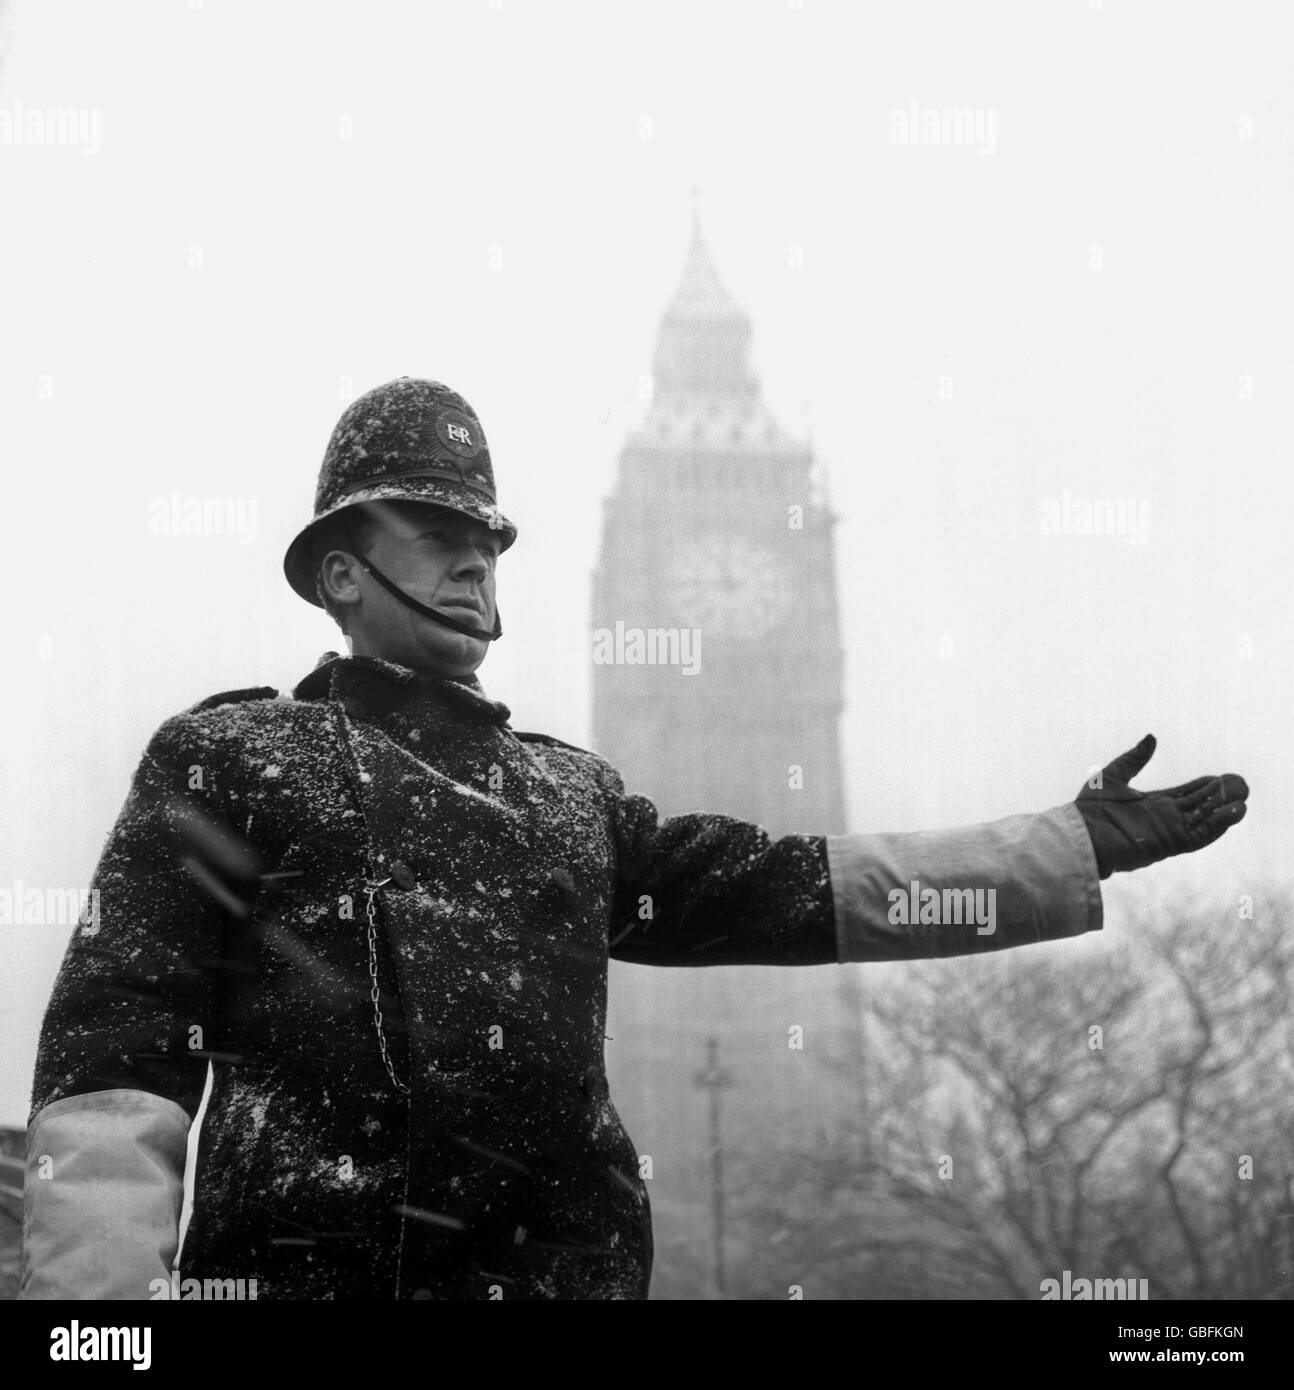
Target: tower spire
x=703, y=342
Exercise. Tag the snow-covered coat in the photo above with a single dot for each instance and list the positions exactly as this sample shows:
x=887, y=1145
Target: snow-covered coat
x=482, y=1156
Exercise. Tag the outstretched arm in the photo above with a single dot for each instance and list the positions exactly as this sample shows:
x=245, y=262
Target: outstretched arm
x=710, y=890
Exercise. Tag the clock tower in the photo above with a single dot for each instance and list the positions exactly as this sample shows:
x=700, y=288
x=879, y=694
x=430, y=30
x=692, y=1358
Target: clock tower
x=717, y=539
x=717, y=687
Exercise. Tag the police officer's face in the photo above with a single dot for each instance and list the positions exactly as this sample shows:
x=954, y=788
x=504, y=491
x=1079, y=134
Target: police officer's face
x=442, y=559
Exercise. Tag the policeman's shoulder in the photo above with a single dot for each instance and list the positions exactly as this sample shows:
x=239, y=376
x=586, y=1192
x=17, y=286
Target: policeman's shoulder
x=548, y=741
x=234, y=697
x=194, y=733
x=585, y=755
x=217, y=716
x=526, y=737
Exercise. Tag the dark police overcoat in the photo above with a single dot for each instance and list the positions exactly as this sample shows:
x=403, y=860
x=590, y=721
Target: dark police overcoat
x=467, y=1147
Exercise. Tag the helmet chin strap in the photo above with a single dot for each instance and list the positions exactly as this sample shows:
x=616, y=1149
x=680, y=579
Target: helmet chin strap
x=451, y=623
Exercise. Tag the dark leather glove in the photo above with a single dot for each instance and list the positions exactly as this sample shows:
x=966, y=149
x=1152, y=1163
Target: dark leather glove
x=1131, y=829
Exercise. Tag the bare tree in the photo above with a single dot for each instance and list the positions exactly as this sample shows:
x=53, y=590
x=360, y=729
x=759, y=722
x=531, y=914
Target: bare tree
x=1121, y=1108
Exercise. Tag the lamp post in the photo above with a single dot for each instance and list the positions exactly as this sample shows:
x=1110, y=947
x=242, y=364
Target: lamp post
x=713, y=1078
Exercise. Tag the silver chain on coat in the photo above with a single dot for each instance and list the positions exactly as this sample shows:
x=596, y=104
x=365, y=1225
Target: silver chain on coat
x=372, y=885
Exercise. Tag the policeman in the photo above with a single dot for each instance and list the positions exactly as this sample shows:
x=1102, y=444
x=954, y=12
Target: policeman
x=382, y=917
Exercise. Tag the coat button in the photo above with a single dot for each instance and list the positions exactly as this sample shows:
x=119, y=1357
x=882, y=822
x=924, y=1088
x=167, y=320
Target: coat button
x=402, y=875
x=566, y=885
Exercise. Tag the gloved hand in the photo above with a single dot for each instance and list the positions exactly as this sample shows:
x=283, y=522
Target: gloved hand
x=1131, y=829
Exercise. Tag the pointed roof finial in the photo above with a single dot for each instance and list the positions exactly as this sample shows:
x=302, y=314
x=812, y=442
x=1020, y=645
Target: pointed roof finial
x=704, y=335
x=700, y=293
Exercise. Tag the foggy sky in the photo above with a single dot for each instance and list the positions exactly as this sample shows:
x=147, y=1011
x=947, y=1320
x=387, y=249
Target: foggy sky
x=289, y=203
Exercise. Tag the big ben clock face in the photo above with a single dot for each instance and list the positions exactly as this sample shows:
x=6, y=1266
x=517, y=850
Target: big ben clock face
x=730, y=587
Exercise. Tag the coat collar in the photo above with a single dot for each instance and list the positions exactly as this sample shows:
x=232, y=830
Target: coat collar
x=374, y=680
